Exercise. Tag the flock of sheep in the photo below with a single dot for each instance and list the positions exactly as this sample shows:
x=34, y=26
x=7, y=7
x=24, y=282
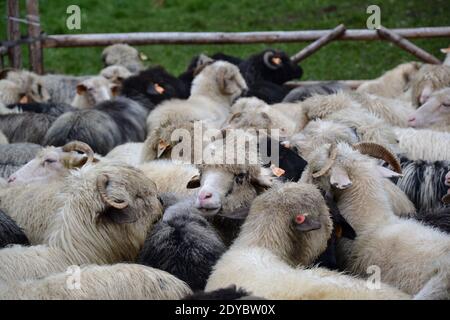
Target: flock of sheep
x=355, y=208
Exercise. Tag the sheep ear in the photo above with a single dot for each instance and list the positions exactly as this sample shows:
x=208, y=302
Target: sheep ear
x=425, y=94
x=24, y=99
x=339, y=178
x=162, y=148
x=120, y=216
x=264, y=182
x=115, y=90
x=155, y=89
x=203, y=59
x=142, y=56
x=387, y=173
x=81, y=89
x=194, y=183
x=307, y=223
x=222, y=82
x=237, y=115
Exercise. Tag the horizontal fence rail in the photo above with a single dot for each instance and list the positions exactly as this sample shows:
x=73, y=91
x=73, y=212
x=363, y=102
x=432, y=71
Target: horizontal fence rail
x=148, y=38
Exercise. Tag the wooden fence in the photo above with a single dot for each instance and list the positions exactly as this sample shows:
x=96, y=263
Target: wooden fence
x=37, y=40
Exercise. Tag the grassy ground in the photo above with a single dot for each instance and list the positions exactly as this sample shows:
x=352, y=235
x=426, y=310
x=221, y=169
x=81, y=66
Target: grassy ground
x=339, y=60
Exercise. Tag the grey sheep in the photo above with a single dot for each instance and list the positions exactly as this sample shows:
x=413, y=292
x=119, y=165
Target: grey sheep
x=184, y=244
x=10, y=232
x=104, y=127
x=304, y=92
x=14, y=156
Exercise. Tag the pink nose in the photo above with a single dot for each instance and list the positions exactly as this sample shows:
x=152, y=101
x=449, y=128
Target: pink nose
x=412, y=119
x=204, y=196
x=11, y=179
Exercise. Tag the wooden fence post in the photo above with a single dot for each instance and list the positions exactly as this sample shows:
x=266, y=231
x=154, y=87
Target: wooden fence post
x=319, y=43
x=15, y=54
x=34, y=31
x=407, y=45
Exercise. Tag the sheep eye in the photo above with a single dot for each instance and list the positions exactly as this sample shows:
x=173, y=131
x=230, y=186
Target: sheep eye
x=446, y=105
x=49, y=161
x=240, y=178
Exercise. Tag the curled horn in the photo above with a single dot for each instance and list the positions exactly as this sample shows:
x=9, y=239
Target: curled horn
x=81, y=147
x=102, y=181
x=329, y=164
x=379, y=152
x=267, y=56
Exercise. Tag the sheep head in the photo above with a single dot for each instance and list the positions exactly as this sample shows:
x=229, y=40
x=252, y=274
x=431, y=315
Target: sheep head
x=93, y=91
x=434, y=112
x=292, y=219
x=220, y=80
x=52, y=163
x=230, y=175
x=275, y=66
x=107, y=212
x=152, y=86
x=428, y=79
x=332, y=165
x=115, y=74
x=123, y=55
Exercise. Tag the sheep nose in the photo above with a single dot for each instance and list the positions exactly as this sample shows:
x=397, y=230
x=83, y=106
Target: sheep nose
x=412, y=121
x=11, y=179
x=204, y=196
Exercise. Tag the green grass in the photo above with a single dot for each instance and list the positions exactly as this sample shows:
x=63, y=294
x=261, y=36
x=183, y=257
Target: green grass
x=338, y=60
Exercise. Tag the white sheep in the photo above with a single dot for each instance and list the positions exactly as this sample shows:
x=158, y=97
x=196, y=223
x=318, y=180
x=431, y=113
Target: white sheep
x=320, y=132
x=92, y=91
x=104, y=214
x=170, y=176
x=434, y=113
x=129, y=153
x=408, y=253
x=423, y=144
x=213, y=91
x=286, y=230
x=109, y=282
x=123, y=55
x=115, y=74
x=393, y=83
x=430, y=78
x=31, y=85
x=255, y=113
x=10, y=93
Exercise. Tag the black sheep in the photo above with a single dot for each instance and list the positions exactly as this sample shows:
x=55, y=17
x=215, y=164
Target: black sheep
x=107, y=125
x=288, y=160
x=265, y=73
x=188, y=75
x=270, y=65
x=152, y=86
x=10, y=232
x=183, y=244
